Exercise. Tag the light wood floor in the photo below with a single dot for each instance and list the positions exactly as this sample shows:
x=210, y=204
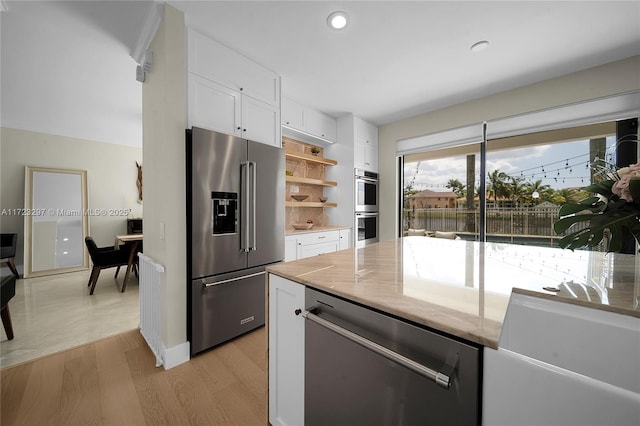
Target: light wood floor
x=114, y=382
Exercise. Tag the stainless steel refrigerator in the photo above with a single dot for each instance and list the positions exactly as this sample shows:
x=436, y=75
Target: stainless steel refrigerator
x=235, y=221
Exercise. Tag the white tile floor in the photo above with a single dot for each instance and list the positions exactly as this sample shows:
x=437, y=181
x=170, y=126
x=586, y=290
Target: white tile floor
x=53, y=313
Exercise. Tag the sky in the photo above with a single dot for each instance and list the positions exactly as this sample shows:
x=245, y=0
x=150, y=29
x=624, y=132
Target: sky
x=560, y=165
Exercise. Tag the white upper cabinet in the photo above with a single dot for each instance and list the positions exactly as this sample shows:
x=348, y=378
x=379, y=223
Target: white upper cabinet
x=260, y=122
x=230, y=93
x=320, y=124
x=214, y=106
x=365, y=144
x=211, y=60
x=292, y=114
x=307, y=124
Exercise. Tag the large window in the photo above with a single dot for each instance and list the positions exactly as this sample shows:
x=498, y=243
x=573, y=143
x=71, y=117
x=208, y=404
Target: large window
x=527, y=179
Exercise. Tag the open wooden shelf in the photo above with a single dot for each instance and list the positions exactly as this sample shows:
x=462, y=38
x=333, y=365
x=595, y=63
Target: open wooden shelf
x=310, y=158
x=309, y=204
x=310, y=181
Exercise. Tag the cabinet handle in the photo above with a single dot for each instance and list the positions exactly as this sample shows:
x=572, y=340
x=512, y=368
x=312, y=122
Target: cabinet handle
x=287, y=122
x=241, y=89
x=324, y=236
x=244, y=130
x=238, y=128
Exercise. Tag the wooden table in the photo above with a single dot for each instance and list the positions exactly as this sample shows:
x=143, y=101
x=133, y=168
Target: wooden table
x=134, y=239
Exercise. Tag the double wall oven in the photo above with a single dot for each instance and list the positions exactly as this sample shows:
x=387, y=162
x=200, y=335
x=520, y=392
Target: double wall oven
x=366, y=208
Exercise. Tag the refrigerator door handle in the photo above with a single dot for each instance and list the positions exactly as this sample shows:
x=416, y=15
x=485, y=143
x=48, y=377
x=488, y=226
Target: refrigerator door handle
x=252, y=165
x=244, y=221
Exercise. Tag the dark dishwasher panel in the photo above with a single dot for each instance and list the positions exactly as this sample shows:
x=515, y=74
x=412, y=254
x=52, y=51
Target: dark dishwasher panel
x=347, y=383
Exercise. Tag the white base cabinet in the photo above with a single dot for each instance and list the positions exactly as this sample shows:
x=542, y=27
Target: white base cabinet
x=286, y=352
x=345, y=239
x=299, y=246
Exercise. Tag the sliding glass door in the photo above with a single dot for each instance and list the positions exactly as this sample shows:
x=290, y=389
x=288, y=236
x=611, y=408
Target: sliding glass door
x=528, y=178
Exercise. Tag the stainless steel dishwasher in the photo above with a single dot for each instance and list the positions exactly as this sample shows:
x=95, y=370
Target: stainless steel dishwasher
x=363, y=367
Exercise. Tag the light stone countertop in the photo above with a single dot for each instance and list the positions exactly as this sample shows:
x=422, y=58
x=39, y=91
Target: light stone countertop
x=316, y=228
x=446, y=285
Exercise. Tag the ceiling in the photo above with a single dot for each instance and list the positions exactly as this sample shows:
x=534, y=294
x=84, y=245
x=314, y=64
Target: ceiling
x=395, y=59
x=398, y=59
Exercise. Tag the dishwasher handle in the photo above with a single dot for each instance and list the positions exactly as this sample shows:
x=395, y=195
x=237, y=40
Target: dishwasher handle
x=439, y=378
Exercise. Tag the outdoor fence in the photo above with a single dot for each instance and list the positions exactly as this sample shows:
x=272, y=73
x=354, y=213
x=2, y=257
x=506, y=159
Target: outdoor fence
x=521, y=225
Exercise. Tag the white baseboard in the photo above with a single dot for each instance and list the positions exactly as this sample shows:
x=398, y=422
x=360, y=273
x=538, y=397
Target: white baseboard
x=176, y=355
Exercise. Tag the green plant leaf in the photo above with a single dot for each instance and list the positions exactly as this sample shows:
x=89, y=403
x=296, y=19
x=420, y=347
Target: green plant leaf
x=603, y=188
x=566, y=222
x=593, y=203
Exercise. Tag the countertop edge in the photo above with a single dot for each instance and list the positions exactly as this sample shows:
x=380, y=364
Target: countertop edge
x=315, y=229
x=470, y=336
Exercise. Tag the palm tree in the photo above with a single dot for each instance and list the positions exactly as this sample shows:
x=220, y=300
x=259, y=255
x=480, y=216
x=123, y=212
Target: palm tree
x=566, y=195
x=543, y=191
x=517, y=190
x=497, y=185
x=456, y=187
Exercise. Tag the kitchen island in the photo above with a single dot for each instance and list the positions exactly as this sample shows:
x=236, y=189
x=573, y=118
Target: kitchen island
x=463, y=290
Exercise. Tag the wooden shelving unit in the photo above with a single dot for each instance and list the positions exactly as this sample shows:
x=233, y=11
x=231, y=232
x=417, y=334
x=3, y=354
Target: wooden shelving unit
x=310, y=158
x=308, y=204
x=310, y=181
x=306, y=174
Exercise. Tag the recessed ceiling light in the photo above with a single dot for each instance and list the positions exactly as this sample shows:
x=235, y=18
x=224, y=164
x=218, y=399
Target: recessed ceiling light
x=479, y=46
x=338, y=20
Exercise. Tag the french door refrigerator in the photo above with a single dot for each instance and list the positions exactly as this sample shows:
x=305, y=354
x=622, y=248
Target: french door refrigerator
x=235, y=227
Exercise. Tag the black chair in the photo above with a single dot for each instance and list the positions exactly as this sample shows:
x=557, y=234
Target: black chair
x=7, y=291
x=104, y=258
x=8, y=244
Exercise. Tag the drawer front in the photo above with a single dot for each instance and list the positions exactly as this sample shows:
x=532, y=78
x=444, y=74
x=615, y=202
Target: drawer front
x=316, y=249
x=318, y=237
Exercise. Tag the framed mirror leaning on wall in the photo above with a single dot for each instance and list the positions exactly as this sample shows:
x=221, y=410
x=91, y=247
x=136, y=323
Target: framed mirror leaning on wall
x=56, y=221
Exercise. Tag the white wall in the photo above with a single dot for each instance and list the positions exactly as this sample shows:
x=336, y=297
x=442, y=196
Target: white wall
x=64, y=75
x=164, y=124
x=111, y=177
x=614, y=78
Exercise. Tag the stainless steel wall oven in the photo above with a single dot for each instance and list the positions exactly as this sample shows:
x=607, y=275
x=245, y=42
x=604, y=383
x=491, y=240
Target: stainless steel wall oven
x=366, y=228
x=366, y=208
x=366, y=191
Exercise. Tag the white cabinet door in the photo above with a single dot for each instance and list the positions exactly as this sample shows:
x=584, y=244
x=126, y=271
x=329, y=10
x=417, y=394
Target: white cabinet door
x=345, y=239
x=370, y=158
x=214, y=61
x=260, y=122
x=213, y=106
x=365, y=138
x=292, y=114
x=290, y=248
x=286, y=352
x=365, y=157
x=320, y=124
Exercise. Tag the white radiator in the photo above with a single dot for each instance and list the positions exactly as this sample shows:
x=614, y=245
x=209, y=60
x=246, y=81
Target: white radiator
x=151, y=284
